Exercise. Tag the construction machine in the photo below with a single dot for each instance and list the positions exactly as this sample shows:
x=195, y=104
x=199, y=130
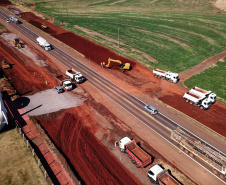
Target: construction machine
x=17, y=43
x=43, y=26
x=5, y=64
x=124, y=66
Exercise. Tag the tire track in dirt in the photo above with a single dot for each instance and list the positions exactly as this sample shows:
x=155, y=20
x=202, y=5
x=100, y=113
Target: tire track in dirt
x=202, y=66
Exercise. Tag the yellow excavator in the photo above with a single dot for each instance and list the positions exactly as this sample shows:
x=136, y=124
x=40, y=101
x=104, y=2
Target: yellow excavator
x=17, y=43
x=44, y=26
x=124, y=66
x=5, y=64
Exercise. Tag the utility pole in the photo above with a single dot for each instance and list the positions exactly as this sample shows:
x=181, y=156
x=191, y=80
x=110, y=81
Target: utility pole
x=118, y=38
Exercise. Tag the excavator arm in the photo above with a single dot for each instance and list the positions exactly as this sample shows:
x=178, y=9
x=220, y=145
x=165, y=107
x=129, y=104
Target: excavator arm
x=122, y=65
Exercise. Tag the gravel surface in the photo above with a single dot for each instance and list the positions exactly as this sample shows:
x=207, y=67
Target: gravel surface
x=48, y=101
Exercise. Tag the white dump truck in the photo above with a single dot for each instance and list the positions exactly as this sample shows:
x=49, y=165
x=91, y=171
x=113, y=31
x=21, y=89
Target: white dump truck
x=211, y=97
x=13, y=19
x=75, y=76
x=43, y=43
x=169, y=76
x=197, y=100
x=63, y=81
x=161, y=176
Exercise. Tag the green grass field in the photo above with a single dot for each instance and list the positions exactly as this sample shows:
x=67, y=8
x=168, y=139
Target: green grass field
x=178, y=34
x=212, y=79
x=17, y=164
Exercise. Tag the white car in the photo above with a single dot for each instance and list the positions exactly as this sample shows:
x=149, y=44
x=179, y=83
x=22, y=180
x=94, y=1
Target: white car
x=151, y=109
x=7, y=20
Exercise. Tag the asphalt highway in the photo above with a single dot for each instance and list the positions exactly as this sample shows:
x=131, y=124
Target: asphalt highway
x=159, y=123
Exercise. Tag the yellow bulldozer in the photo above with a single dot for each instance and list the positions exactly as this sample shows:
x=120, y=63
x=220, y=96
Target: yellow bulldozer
x=123, y=66
x=5, y=64
x=17, y=43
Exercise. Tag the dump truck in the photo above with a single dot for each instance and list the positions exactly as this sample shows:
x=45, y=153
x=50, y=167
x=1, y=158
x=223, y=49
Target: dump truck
x=13, y=19
x=211, y=97
x=138, y=156
x=169, y=76
x=5, y=64
x=75, y=76
x=43, y=43
x=161, y=176
x=194, y=146
x=63, y=81
x=197, y=100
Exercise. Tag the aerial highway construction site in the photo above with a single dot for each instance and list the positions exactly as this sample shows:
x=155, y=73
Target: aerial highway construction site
x=105, y=118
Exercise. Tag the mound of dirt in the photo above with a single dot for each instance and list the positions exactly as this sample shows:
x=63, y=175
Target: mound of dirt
x=91, y=159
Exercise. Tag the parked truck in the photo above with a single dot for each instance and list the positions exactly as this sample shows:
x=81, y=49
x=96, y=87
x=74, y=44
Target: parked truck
x=209, y=95
x=138, y=156
x=169, y=76
x=194, y=146
x=13, y=19
x=75, y=76
x=197, y=100
x=161, y=176
x=63, y=81
x=43, y=43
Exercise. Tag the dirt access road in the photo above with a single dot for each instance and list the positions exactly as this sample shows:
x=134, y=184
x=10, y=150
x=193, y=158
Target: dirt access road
x=55, y=123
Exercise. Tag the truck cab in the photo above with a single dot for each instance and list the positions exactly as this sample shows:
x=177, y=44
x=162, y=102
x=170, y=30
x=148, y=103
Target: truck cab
x=67, y=85
x=122, y=142
x=153, y=172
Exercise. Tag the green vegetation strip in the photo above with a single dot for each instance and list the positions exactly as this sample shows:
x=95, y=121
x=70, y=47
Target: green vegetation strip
x=17, y=164
x=212, y=79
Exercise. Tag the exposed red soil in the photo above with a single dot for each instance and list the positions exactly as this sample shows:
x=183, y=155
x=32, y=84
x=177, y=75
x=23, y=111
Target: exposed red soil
x=90, y=158
x=94, y=163
x=139, y=76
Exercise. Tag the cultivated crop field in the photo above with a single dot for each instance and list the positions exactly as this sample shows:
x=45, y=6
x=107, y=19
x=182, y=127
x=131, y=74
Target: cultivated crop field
x=206, y=79
x=173, y=35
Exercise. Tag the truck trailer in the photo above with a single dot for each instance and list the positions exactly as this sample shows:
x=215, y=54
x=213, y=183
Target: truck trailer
x=63, y=81
x=43, y=43
x=197, y=100
x=209, y=95
x=161, y=176
x=138, y=156
x=75, y=76
x=169, y=76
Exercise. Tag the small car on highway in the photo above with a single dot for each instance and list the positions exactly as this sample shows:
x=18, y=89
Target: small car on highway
x=7, y=20
x=151, y=109
x=58, y=89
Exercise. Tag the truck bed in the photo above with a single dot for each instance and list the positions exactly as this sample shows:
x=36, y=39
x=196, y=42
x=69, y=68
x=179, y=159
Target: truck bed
x=138, y=152
x=167, y=179
x=72, y=71
x=158, y=70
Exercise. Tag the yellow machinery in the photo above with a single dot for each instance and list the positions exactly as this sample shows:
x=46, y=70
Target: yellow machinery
x=5, y=64
x=17, y=43
x=124, y=66
x=44, y=26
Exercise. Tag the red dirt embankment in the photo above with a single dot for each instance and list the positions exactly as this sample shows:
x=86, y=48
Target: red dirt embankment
x=139, y=76
x=72, y=130
x=94, y=163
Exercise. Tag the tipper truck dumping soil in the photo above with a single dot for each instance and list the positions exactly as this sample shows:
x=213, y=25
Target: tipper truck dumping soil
x=138, y=156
